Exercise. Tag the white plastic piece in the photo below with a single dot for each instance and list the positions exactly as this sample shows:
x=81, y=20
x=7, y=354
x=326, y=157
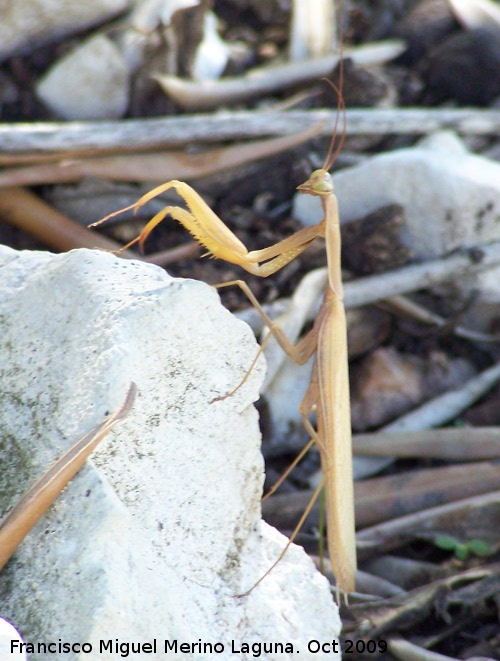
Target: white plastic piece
x=11, y=643
x=212, y=54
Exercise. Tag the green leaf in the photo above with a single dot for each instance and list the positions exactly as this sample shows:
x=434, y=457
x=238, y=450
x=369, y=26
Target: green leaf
x=478, y=547
x=446, y=542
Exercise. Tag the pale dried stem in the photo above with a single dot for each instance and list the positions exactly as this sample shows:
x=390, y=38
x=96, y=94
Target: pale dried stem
x=450, y=444
x=208, y=95
x=25, y=210
x=405, y=651
x=22, y=143
x=448, y=406
x=150, y=167
x=312, y=30
x=385, y=536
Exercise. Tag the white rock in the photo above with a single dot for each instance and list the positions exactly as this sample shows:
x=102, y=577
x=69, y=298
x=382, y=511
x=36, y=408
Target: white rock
x=34, y=22
x=155, y=537
x=91, y=82
x=451, y=197
x=144, y=29
x=9, y=642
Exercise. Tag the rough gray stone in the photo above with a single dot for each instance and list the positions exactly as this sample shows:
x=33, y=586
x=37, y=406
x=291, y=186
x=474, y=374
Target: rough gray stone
x=32, y=23
x=91, y=82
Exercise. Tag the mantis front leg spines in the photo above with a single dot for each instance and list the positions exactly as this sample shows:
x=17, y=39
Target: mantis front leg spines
x=214, y=235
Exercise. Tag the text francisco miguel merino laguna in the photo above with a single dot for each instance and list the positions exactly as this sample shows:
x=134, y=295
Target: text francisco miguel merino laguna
x=124, y=649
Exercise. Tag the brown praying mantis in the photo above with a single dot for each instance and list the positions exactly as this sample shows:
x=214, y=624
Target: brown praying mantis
x=328, y=392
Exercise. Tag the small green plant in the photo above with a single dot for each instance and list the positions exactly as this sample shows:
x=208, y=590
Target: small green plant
x=462, y=550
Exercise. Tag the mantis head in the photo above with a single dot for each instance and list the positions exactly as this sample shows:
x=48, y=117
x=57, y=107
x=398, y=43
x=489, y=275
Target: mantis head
x=319, y=183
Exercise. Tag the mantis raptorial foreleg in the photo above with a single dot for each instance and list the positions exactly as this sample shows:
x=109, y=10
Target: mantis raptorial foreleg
x=209, y=230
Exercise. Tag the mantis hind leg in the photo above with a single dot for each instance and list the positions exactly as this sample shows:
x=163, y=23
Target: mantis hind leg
x=290, y=541
x=300, y=353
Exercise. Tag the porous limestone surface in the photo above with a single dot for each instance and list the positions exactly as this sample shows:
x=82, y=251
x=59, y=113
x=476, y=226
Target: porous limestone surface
x=160, y=532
